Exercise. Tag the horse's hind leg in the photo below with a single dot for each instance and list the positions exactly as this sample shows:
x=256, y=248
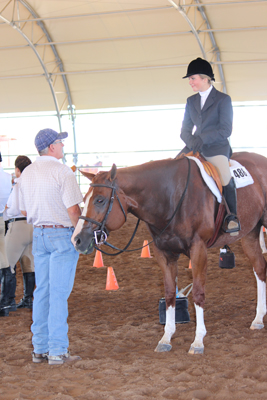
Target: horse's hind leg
x=252, y=249
x=261, y=304
x=169, y=269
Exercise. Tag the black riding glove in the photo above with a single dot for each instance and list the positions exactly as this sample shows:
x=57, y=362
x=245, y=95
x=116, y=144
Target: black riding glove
x=197, y=144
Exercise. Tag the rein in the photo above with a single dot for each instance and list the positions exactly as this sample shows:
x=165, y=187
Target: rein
x=101, y=235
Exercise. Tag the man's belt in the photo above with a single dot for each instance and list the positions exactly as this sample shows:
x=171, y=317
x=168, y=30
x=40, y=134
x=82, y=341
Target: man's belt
x=51, y=226
x=17, y=219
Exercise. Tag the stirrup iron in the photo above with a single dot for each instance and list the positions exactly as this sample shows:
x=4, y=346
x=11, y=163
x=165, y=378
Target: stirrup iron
x=231, y=218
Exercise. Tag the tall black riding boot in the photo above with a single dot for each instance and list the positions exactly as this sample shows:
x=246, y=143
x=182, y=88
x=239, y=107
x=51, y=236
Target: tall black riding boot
x=231, y=223
x=8, y=289
x=29, y=284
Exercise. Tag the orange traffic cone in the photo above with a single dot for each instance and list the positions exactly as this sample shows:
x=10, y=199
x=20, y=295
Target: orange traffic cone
x=190, y=265
x=98, y=261
x=112, y=283
x=145, y=253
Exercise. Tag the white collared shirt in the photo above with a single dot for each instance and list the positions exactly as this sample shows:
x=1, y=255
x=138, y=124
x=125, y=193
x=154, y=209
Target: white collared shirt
x=5, y=188
x=13, y=210
x=47, y=189
x=204, y=96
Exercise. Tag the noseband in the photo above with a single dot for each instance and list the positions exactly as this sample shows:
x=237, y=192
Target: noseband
x=101, y=234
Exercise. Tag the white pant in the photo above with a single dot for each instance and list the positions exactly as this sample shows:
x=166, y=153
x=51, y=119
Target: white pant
x=18, y=243
x=3, y=256
x=221, y=163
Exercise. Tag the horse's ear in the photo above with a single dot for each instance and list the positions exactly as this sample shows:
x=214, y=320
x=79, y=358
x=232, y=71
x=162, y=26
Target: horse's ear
x=88, y=175
x=113, y=172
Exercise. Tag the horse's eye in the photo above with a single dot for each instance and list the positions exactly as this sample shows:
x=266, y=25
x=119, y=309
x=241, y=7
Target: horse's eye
x=99, y=201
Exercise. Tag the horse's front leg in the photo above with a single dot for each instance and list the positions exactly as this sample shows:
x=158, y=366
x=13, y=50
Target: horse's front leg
x=198, y=255
x=197, y=347
x=169, y=269
x=165, y=343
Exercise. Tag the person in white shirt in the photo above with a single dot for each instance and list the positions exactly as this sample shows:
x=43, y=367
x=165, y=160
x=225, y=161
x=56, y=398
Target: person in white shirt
x=6, y=276
x=18, y=240
x=50, y=197
x=206, y=127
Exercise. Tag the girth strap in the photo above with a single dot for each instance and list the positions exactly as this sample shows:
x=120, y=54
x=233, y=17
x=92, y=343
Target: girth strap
x=218, y=224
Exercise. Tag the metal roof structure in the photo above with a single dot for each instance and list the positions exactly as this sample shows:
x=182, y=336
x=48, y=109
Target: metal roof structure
x=66, y=54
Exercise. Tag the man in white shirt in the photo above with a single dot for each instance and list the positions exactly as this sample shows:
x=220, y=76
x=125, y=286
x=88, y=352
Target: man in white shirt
x=50, y=197
x=6, y=275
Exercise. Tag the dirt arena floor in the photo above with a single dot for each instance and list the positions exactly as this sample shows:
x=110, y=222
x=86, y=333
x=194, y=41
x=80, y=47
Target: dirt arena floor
x=116, y=332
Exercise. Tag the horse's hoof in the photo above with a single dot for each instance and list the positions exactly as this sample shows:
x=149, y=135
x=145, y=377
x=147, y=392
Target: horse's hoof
x=196, y=350
x=161, y=347
x=254, y=327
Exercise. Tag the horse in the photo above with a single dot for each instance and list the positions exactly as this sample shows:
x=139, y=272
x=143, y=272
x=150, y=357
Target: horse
x=179, y=210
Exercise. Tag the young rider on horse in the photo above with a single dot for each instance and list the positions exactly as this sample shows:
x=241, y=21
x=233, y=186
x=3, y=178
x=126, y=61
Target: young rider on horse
x=206, y=127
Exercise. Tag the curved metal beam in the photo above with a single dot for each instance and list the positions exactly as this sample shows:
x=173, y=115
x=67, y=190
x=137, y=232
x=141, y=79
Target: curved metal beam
x=196, y=34
x=193, y=29
x=214, y=44
x=71, y=108
x=48, y=78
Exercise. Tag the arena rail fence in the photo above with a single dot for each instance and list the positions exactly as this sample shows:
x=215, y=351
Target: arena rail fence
x=103, y=161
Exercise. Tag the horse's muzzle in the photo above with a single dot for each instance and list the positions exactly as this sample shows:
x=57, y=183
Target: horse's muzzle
x=84, y=242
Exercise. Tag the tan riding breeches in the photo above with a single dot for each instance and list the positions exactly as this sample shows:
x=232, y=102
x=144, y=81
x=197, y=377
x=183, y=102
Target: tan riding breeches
x=221, y=163
x=3, y=257
x=18, y=243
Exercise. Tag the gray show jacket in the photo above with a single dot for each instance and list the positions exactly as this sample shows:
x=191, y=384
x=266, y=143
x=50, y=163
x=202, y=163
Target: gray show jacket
x=213, y=123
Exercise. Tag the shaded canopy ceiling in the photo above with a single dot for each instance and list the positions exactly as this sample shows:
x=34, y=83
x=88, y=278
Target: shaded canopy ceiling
x=104, y=54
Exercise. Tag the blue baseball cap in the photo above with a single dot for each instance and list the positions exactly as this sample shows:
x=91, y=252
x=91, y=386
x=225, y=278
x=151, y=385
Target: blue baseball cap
x=47, y=136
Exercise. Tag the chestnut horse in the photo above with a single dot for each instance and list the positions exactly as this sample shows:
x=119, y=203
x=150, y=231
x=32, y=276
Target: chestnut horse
x=179, y=210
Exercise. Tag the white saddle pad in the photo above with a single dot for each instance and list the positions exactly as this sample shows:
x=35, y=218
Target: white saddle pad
x=240, y=174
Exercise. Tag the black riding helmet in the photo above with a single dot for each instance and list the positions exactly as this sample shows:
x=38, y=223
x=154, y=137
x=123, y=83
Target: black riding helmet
x=199, y=66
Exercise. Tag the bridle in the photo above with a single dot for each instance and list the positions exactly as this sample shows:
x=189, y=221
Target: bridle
x=102, y=234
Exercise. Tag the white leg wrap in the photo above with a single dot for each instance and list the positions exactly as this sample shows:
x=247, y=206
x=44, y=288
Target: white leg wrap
x=261, y=304
x=169, y=326
x=197, y=347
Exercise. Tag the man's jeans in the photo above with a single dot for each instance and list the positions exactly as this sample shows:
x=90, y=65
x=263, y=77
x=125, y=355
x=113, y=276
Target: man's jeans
x=55, y=262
